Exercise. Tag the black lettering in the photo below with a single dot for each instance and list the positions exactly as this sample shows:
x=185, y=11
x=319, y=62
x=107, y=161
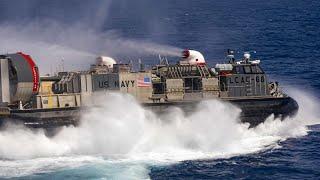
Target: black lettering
x=247, y=79
x=230, y=81
x=122, y=84
x=242, y=79
x=103, y=84
x=100, y=84
x=132, y=83
x=262, y=78
x=236, y=79
x=106, y=84
x=116, y=83
x=127, y=83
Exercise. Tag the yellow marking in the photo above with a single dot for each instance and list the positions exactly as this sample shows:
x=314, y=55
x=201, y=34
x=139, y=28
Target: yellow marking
x=50, y=101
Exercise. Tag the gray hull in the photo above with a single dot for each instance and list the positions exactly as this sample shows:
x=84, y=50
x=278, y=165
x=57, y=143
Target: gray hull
x=254, y=112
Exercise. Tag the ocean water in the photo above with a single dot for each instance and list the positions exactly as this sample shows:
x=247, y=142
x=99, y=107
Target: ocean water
x=124, y=141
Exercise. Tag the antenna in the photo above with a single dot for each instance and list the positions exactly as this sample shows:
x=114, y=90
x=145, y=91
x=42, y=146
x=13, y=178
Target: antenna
x=131, y=65
x=141, y=66
x=163, y=60
x=160, y=59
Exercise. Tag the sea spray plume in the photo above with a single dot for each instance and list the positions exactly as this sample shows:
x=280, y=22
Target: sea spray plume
x=118, y=126
x=308, y=114
x=74, y=34
x=112, y=127
x=203, y=131
x=49, y=42
x=43, y=45
x=308, y=106
x=140, y=47
x=212, y=131
x=23, y=143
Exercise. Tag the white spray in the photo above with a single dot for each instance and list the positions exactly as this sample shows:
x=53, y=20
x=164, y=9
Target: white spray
x=122, y=131
x=51, y=42
x=123, y=127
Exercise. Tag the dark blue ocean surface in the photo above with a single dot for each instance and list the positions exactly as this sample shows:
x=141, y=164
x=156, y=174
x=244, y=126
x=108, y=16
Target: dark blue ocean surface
x=285, y=35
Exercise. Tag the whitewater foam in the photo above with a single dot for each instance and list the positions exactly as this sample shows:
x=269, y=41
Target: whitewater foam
x=124, y=133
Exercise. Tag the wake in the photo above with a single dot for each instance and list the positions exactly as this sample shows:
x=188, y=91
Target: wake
x=123, y=131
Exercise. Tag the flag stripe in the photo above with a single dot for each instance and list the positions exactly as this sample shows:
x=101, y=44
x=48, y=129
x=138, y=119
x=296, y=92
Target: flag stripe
x=144, y=82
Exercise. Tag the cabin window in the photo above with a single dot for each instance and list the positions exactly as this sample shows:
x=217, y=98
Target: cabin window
x=239, y=70
x=247, y=69
x=259, y=70
x=254, y=69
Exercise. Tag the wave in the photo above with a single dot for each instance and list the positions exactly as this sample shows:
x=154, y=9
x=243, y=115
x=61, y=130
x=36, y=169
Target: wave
x=122, y=131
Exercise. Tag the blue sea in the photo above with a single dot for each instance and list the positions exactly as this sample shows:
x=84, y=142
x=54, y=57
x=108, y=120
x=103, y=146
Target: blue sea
x=124, y=141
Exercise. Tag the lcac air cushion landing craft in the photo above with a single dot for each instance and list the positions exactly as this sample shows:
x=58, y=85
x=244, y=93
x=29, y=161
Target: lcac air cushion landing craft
x=53, y=101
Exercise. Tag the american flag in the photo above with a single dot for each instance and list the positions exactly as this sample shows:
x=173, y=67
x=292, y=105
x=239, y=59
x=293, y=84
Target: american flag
x=144, y=81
